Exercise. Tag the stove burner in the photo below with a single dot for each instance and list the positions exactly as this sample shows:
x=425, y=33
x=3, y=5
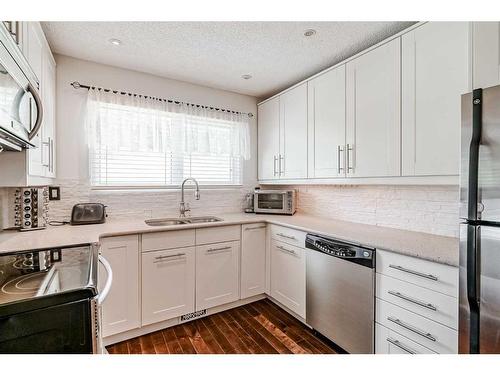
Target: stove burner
x=24, y=284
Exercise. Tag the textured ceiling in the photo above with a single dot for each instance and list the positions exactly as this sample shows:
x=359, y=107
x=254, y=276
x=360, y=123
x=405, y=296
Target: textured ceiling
x=217, y=54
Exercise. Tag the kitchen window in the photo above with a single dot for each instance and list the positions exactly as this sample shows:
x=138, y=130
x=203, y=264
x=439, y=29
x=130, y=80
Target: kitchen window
x=143, y=142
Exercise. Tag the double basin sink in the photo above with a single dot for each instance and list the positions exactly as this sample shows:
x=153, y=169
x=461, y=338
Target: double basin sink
x=180, y=221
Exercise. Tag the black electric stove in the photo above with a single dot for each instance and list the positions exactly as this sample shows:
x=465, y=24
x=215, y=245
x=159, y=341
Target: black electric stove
x=47, y=300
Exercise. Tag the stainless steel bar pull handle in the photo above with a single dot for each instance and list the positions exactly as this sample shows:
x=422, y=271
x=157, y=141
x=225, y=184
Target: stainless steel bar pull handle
x=286, y=250
x=163, y=258
x=254, y=228
x=350, y=148
x=340, y=168
x=282, y=166
x=413, y=300
x=275, y=170
x=286, y=236
x=413, y=272
x=212, y=250
x=409, y=327
x=400, y=345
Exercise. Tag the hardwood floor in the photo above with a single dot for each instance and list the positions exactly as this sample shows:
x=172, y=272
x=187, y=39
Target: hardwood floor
x=258, y=328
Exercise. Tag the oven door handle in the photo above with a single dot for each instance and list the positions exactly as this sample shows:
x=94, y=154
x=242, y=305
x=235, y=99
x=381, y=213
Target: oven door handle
x=105, y=291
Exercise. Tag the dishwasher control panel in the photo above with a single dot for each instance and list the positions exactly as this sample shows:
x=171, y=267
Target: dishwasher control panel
x=362, y=255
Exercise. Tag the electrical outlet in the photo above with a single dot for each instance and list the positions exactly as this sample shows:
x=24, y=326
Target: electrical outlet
x=54, y=193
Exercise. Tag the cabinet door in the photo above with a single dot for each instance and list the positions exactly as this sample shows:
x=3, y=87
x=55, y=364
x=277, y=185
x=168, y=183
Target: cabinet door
x=121, y=309
x=326, y=124
x=217, y=274
x=293, y=133
x=435, y=71
x=390, y=342
x=253, y=259
x=485, y=54
x=373, y=112
x=168, y=282
x=268, y=139
x=48, y=90
x=33, y=46
x=288, y=276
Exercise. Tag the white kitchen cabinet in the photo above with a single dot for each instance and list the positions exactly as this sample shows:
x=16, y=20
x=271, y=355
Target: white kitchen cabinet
x=390, y=342
x=485, y=54
x=253, y=259
x=293, y=133
x=121, y=309
x=33, y=46
x=288, y=276
x=373, y=112
x=48, y=132
x=326, y=124
x=435, y=73
x=168, y=284
x=217, y=274
x=268, y=139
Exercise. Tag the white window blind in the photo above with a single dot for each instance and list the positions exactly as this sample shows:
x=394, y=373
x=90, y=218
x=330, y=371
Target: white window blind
x=140, y=142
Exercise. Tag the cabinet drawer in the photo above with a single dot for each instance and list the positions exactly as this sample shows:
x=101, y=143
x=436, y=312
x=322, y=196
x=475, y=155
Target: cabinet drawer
x=167, y=240
x=288, y=235
x=390, y=342
x=431, y=275
x=426, y=332
x=433, y=305
x=218, y=234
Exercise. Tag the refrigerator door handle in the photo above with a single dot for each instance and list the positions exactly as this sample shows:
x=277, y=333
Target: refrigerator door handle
x=477, y=119
x=473, y=287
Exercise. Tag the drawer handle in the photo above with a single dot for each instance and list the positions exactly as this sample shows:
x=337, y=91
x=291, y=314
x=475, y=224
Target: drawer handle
x=213, y=250
x=286, y=236
x=164, y=258
x=416, y=273
x=400, y=323
x=412, y=300
x=253, y=228
x=401, y=345
x=286, y=250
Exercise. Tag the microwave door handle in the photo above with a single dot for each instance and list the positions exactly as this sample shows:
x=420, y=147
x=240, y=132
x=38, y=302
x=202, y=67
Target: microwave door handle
x=39, y=110
x=105, y=291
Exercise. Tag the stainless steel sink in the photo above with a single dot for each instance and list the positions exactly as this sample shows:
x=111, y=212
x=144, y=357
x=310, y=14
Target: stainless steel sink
x=179, y=221
x=164, y=222
x=202, y=219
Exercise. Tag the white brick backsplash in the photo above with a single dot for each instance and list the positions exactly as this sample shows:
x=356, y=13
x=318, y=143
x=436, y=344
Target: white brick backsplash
x=430, y=209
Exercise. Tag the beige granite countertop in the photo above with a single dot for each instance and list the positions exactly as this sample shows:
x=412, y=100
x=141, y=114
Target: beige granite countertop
x=422, y=245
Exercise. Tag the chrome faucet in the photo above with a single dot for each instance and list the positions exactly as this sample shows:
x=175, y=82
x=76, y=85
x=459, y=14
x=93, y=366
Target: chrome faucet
x=183, y=206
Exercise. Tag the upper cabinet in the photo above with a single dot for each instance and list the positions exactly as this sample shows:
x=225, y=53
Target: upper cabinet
x=390, y=114
x=293, y=133
x=373, y=112
x=326, y=124
x=282, y=135
x=269, y=139
x=435, y=73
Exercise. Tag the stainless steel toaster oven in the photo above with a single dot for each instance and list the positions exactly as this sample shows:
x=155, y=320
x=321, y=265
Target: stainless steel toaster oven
x=282, y=202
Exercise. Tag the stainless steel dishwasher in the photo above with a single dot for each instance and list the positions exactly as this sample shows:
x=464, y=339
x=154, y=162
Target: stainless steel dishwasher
x=340, y=281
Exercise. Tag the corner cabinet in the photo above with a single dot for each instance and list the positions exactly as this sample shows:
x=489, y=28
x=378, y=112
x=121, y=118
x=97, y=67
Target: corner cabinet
x=373, y=112
x=435, y=73
x=282, y=136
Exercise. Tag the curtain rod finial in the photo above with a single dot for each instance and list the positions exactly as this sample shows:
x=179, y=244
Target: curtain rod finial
x=250, y=115
x=75, y=84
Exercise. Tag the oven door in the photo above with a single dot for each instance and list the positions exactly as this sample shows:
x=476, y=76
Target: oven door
x=273, y=202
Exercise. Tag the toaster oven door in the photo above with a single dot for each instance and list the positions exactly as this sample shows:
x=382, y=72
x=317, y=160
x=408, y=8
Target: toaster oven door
x=272, y=202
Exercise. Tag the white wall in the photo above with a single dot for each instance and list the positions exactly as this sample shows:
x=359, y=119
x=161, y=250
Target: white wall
x=72, y=158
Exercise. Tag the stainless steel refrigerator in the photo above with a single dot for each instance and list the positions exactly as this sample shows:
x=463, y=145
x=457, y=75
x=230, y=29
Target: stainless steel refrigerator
x=479, y=327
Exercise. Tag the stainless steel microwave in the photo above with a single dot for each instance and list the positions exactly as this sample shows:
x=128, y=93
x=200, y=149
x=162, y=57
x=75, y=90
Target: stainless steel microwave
x=282, y=202
x=20, y=103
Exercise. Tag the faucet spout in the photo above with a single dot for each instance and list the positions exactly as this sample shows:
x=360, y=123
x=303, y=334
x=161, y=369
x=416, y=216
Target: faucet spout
x=184, y=207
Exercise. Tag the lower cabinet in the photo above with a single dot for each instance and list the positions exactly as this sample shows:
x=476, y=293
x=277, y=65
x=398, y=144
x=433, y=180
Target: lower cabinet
x=217, y=274
x=253, y=260
x=121, y=309
x=288, y=276
x=390, y=342
x=168, y=284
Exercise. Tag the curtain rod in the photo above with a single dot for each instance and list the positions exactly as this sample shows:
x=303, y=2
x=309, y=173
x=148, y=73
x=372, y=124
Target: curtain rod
x=78, y=85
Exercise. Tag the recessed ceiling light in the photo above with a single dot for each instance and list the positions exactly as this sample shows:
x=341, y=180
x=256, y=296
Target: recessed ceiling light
x=115, y=42
x=309, y=32
x=246, y=76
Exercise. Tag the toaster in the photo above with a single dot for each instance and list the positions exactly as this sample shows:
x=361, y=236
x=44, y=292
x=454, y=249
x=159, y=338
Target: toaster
x=88, y=213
